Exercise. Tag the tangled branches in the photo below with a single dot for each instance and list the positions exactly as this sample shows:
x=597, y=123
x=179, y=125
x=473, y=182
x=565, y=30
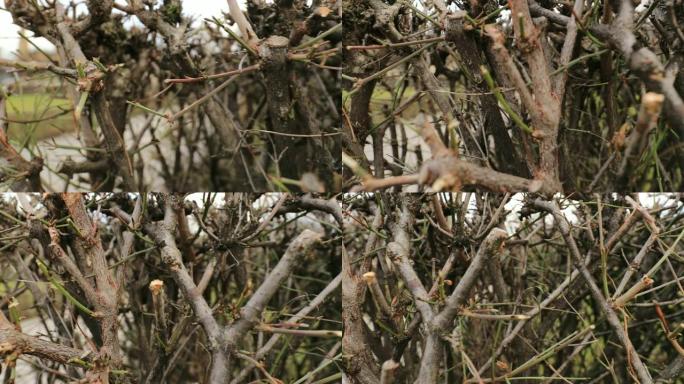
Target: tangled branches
x=163, y=288
x=522, y=96
x=179, y=104
x=492, y=288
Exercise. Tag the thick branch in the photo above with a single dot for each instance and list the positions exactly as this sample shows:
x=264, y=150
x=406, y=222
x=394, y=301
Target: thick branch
x=329, y=206
x=451, y=173
x=492, y=243
x=298, y=249
x=360, y=362
x=641, y=60
x=114, y=142
x=88, y=246
x=164, y=234
x=34, y=66
x=603, y=304
x=398, y=251
x=12, y=341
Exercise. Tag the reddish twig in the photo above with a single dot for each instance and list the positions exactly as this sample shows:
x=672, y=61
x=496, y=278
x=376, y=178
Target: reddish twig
x=234, y=72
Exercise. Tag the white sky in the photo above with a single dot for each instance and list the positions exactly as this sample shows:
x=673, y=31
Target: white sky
x=9, y=39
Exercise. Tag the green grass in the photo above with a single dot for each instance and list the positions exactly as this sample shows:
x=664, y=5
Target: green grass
x=382, y=97
x=25, y=299
x=38, y=106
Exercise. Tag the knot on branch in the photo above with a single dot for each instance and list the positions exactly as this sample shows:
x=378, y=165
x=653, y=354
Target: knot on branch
x=384, y=15
x=250, y=314
x=529, y=32
x=7, y=348
x=91, y=75
x=644, y=62
x=395, y=251
x=216, y=343
x=174, y=201
x=495, y=241
x=90, y=84
x=27, y=15
x=171, y=256
x=305, y=241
